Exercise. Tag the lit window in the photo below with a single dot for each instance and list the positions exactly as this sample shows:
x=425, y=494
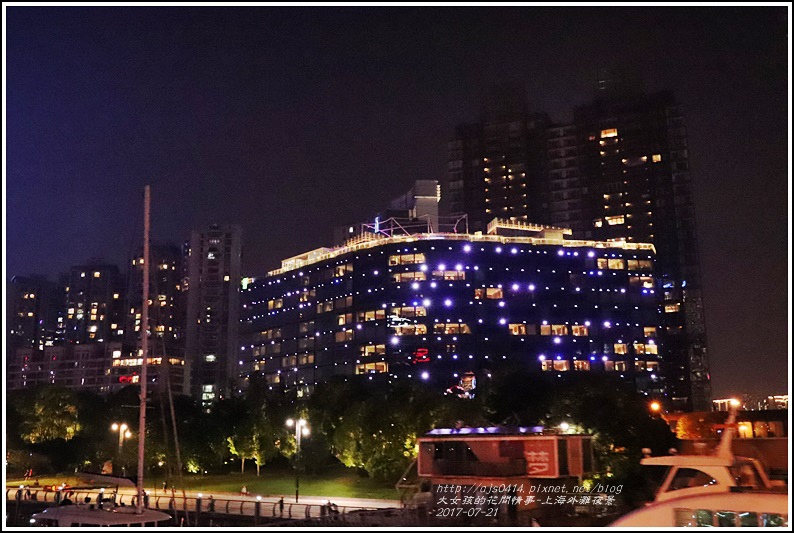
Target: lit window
x=209, y=358
x=406, y=259
x=412, y=329
x=408, y=276
x=649, y=331
x=579, y=331
x=581, y=365
x=226, y=278
x=615, y=220
x=372, y=368
x=405, y=312
x=657, y=158
x=115, y=296
x=612, y=132
x=451, y=329
x=672, y=308
x=559, y=329
x=616, y=264
x=376, y=349
x=562, y=366
x=518, y=329
x=621, y=348
x=493, y=294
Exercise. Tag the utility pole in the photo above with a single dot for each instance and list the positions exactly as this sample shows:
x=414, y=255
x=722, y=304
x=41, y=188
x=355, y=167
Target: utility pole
x=144, y=346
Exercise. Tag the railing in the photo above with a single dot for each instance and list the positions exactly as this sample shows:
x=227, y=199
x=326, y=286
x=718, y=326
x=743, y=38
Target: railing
x=191, y=507
x=502, y=239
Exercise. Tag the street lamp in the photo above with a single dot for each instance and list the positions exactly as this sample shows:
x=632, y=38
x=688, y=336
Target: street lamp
x=124, y=433
x=301, y=429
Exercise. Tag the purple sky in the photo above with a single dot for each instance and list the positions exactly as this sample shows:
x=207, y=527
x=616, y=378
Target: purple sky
x=289, y=121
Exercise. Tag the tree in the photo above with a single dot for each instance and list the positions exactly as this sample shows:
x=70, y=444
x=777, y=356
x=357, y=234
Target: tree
x=698, y=426
x=52, y=415
x=378, y=429
x=241, y=445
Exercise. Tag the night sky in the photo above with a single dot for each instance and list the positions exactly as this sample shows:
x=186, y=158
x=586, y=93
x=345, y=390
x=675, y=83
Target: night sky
x=289, y=121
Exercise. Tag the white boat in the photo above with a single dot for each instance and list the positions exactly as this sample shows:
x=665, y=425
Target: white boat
x=727, y=509
x=720, y=472
x=90, y=515
x=712, y=490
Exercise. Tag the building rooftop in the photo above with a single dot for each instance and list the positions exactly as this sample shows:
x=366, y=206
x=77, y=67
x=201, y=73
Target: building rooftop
x=542, y=235
x=493, y=430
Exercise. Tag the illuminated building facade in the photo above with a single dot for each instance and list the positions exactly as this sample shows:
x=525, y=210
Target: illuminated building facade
x=100, y=367
x=437, y=307
x=168, y=301
x=95, y=297
x=33, y=313
x=213, y=312
x=618, y=172
x=495, y=166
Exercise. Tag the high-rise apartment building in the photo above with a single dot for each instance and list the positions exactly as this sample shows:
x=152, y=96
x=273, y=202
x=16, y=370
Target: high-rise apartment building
x=94, y=304
x=168, y=299
x=33, y=307
x=618, y=172
x=496, y=165
x=212, y=313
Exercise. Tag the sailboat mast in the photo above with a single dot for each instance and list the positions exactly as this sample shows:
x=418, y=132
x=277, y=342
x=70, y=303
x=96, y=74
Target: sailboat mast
x=144, y=347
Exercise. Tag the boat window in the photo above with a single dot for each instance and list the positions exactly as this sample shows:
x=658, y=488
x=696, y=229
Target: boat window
x=689, y=477
x=726, y=519
x=748, y=519
x=693, y=518
x=774, y=520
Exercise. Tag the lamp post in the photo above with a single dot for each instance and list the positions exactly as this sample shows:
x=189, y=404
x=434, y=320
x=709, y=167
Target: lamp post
x=301, y=429
x=124, y=433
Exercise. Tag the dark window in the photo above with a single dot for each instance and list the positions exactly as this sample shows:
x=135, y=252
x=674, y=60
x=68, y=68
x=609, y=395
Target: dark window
x=562, y=453
x=689, y=477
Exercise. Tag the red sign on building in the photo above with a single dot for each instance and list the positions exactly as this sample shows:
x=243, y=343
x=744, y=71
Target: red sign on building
x=541, y=457
x=421, y=355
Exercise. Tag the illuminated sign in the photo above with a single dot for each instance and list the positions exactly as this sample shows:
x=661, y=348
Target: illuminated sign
x=541, y=458
x=421, y=356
